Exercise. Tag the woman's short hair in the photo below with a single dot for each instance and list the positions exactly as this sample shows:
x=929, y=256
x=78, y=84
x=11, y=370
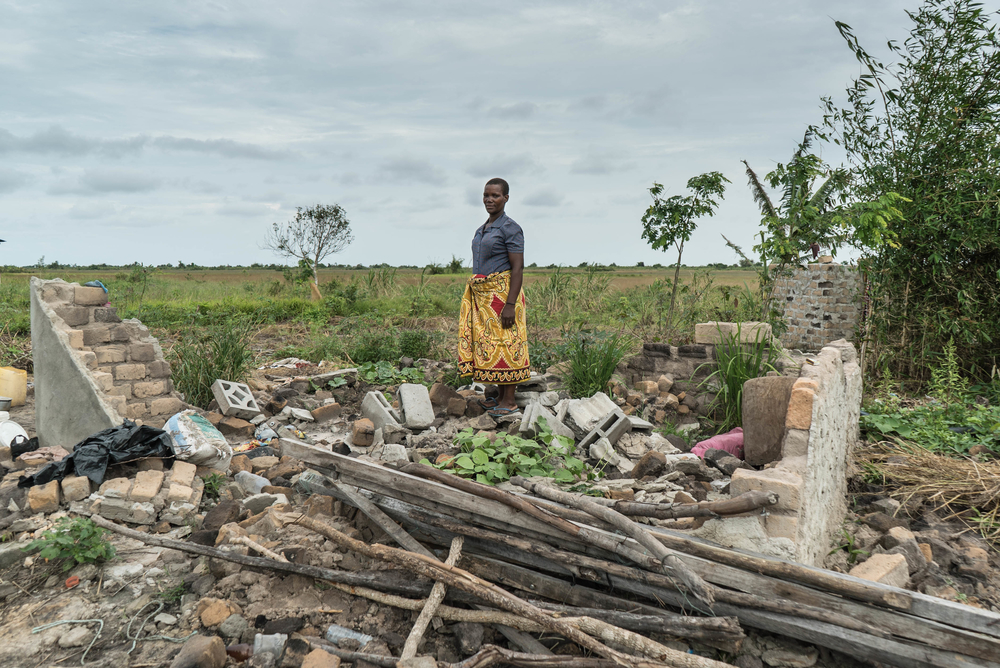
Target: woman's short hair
x=504, y=186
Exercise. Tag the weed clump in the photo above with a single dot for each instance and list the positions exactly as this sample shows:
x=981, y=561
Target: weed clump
x=223, y=352
x=738, y=363
x=593, y=358
x=77, y=541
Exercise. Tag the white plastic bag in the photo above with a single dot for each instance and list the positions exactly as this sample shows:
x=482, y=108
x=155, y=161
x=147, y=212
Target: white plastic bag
x=196, y=441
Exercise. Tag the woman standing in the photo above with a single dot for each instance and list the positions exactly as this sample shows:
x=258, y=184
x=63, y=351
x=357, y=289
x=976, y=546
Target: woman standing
x=492, y=336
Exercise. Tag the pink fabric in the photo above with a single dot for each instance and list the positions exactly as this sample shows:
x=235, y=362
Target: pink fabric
x=731, y=442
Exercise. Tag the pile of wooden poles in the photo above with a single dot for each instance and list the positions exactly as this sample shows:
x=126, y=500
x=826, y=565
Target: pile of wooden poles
x=581, y=569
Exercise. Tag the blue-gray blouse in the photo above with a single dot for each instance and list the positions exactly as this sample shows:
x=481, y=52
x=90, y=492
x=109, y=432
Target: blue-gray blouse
x=491, y=244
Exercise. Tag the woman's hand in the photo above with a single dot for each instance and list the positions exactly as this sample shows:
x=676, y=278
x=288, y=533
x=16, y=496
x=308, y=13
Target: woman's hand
x=507, y=316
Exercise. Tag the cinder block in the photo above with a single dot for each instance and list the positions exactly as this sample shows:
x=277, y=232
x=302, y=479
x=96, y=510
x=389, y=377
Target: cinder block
x=147, y=485
x=86, y=296
x=149, y=389
x=785, y=484
x=890, y=569
x=130, y=372
x=165, y=406
x=75, y=488
x=781, y=526
x=614, y=425
x=75, y=338
x=235, y=399
x=183, y=473
x=141, y=352
x=110, y=354
x=121, y=333
x=376, y=408
x=122, y=390
x=116, y=488
x=158, y=369
x=179, y=493
x=74, y=316
x=800, y=406
x=44, y=498
x=106, y=314
x=416, y=403
x=105, y=381
x=96, y=335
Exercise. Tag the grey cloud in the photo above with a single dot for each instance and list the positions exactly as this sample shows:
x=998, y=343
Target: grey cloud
x=59, y=141
x=516, y=111
x=651, y=102
x=118, y=181
x=412, y=170
x=198, y=187
x=245, y=209
x=590, y=103
x=92, y=210
x=503, y=165
x=11, y=180
x=600, y=163
x=226, y=148
x=544, y=198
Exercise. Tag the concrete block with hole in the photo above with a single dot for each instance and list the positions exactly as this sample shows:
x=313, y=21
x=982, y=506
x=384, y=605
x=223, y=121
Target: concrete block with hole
x=235, y=399
x=612, y=426
x=376, y=408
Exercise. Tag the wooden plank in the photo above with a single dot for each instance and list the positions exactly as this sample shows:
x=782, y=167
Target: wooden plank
x=375, y=514
x=405, y=487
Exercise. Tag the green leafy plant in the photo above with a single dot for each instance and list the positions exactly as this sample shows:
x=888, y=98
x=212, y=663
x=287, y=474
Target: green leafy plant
x=848, y=545
x=670, y=222
x=508, y=455
x=375, y=346
x=214, y=483
x=593, y=358
x=174, y=594
x=947, y=383
x=414, y=343
x=738, y=363
x=386, y=373
x=77, y=541
x=222, y=352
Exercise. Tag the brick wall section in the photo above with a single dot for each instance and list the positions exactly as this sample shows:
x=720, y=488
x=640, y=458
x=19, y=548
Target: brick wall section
x=820, y=304
x=123, y=359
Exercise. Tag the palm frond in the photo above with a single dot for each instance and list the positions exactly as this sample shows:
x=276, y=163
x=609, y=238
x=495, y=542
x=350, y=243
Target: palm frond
x=760, y=195
x=823, y=196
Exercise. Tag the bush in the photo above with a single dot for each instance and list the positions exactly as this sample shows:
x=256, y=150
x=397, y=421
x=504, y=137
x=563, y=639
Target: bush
x=224, y=352
x=414, y=343
x=78, y=541
x=738, y=363
x=593, y=359
x=375, y=346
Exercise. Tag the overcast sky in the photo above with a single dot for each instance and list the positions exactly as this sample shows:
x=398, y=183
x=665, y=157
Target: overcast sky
x=158, y=132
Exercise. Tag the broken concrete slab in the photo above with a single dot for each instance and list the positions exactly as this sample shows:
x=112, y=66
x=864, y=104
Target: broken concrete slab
x=418, y=411
x=376, y=408
x=582, y=415
x=765, y=404
x=529, y=422
x=235, y=399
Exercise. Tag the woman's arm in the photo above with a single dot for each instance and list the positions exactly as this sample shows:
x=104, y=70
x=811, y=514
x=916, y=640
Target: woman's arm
x=516, y=279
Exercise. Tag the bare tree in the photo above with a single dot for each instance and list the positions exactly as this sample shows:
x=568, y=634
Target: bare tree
x=312, y=235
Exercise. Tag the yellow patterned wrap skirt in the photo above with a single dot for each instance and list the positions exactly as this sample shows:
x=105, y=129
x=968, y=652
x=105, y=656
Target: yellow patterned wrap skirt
x=487, y=351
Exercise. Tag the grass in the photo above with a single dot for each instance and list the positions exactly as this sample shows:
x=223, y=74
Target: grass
x=738, y=363
x=593, y=359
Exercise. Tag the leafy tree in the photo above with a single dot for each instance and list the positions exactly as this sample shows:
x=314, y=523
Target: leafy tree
x=928, y=127
x=312, y=235
x=812, y=214
x=670, y=222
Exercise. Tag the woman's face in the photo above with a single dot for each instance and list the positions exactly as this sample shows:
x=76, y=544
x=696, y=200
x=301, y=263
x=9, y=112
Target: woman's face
x=494, y=199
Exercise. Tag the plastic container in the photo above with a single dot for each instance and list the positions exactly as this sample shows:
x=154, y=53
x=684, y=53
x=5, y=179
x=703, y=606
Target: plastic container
x=273, y=644
x=10, y=431
x=14, y=384
x=335, y=634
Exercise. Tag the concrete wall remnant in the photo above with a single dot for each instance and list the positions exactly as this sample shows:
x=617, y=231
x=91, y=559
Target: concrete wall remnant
x=821, y=430
x=93, y=370
x=820, y=304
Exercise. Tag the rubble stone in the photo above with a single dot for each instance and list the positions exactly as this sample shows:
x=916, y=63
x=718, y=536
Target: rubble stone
x=319, y=658
x=263, y=463
x=179, y=493
x=223, y=513
x=239, y=463
x=392, y=452
x=238, y=427
x=469, y=637
x=648, y=387
x=363, y=433
x=258, y=503
x=44, y=498
x=327, y=412
x=457, y=406
x=213, y=611
x=75, y=488
x=201, y=651
x=319, y=504
x=890, y=569
x=902, y=541
x=147, y=485
x=650, y=464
